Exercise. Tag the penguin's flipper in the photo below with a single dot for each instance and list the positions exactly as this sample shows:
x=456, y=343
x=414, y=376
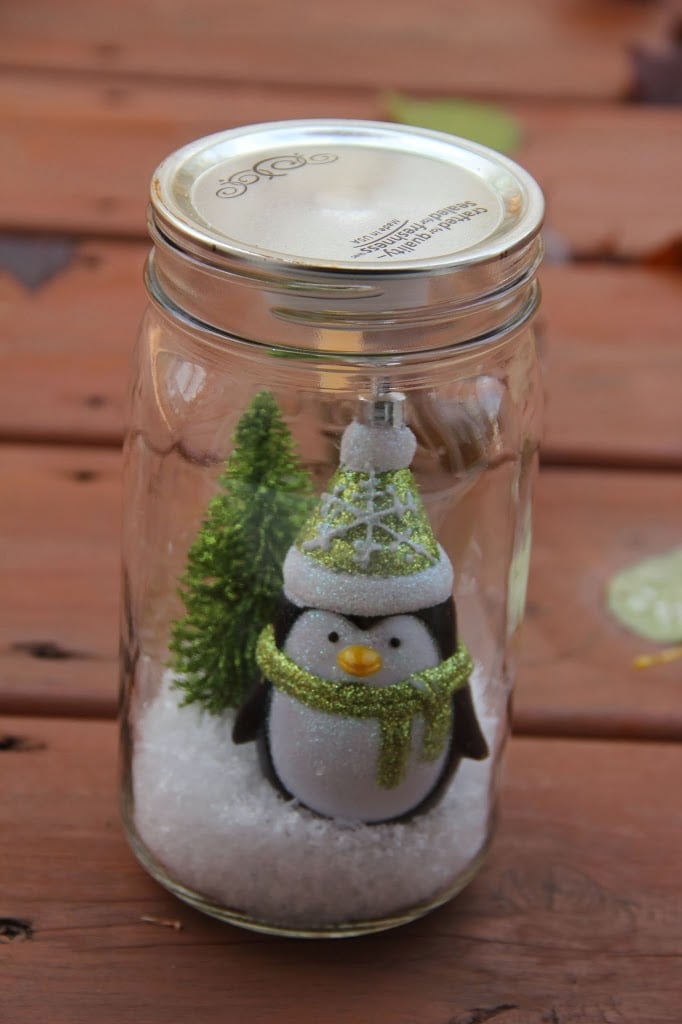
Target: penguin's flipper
x=251, y=713
x=468, y=740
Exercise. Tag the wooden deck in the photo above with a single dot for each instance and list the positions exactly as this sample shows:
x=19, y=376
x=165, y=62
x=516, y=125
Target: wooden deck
x=575, y=919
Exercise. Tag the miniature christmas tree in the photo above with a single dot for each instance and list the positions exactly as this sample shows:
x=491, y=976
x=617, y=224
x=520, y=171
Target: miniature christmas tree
x=234, y=569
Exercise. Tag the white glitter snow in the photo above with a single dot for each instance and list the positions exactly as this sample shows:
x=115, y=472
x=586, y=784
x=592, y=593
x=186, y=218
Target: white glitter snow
x=205, y=811
x=310, y=583
x=380, y=449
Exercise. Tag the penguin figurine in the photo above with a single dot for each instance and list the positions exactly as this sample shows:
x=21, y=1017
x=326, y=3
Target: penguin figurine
x=330, y=766
x=363, y=709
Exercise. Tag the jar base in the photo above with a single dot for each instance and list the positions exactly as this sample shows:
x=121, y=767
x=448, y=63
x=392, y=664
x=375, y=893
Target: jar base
x=333, y=931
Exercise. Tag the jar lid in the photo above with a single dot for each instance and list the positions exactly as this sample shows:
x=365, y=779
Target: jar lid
x=344, y=195
x=300, y=232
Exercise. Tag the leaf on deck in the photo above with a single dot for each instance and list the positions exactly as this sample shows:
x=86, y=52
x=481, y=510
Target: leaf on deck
x=481, y=122
x=646, y=598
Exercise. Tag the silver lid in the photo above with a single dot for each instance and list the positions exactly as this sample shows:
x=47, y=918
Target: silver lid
x=343, y=225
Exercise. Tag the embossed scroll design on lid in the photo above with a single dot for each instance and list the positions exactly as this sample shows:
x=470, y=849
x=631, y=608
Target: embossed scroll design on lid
x=268, y=168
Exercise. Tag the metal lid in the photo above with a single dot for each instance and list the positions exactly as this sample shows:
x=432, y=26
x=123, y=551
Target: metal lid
x=352, y=212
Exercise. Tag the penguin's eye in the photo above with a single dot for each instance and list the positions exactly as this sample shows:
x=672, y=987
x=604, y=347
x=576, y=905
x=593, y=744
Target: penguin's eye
x=333, y=637
x=394, y=641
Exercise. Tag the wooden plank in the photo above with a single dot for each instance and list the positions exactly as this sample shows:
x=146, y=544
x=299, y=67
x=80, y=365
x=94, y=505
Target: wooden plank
x=575, y=916
x=600, y=169
x=577, y=661
x=599, y=183
x=66, y=345
x=611, y=360
x=129, y=127
x=59, y=541
x=609, y=345
x=59, y=629
x=553, y=49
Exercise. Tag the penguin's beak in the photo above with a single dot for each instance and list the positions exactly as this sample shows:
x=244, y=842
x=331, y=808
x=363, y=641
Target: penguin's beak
x=359, y=660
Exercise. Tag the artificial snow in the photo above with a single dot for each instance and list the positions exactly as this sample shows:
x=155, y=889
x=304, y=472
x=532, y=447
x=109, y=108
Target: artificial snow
x=216, y=825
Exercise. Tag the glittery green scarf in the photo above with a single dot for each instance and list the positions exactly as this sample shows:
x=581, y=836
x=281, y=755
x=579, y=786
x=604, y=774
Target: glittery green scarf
x=427, y=693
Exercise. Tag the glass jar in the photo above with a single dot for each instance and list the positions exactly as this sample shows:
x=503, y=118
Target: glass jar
x=328, y=473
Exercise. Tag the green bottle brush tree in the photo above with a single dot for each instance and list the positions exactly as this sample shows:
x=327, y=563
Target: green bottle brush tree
x=234, y=567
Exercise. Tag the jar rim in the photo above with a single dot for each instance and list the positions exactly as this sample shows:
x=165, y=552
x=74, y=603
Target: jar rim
x=419, y=348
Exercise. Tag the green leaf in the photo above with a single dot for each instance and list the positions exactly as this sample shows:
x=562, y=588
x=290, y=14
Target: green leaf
x=647, y=598
x=480, y=122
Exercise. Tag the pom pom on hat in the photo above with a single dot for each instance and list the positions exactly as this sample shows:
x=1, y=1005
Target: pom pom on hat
x=380, y=449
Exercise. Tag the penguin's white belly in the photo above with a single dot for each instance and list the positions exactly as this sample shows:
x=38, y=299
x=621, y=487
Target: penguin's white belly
x=330, y=763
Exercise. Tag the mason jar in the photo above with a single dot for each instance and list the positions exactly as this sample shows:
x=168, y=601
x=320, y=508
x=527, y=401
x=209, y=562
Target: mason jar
x=328, y=470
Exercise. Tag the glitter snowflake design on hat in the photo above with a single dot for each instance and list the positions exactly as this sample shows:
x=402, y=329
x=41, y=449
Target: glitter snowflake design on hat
x=368, y=548
x=371, y=523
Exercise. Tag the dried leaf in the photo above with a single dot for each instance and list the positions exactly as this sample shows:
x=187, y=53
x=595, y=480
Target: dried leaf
x=663, y=657
x=667, y=255
x=480, y=122
x=658, y=75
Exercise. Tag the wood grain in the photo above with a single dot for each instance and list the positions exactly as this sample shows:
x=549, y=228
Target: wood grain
x=557, y=48
x=610, y=172
x=609, y=346
x=66, y=346
x=577, y=661
x=611, y=361
x=59, y=552
x=574, y=918
x=59, y=531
